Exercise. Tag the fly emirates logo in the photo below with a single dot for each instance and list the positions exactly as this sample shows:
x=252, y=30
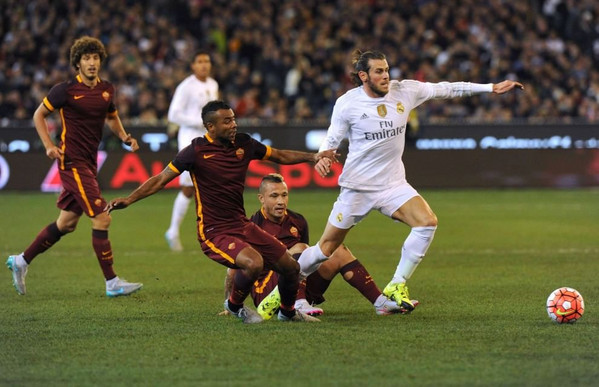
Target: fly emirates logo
x=386, y=131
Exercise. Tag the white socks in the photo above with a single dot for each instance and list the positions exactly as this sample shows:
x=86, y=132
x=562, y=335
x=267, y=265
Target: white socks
x=179, y=210
x=310, y=260
x=21, y=262
x=414, y=248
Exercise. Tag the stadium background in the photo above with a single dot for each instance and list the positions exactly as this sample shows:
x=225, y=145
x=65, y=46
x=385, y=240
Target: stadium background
x=282, y=64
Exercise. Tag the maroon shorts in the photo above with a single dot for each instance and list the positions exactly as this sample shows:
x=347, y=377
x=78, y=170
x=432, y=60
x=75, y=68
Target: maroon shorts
x=80, y=192
x=224, y=248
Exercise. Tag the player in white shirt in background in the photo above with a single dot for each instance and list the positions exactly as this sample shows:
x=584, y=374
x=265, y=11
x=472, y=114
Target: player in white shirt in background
x=185, y=110
x=373, y=116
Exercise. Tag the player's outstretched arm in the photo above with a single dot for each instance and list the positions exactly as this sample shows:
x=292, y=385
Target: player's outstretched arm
x=505, y=86
x=149, y=187
x=294, y=157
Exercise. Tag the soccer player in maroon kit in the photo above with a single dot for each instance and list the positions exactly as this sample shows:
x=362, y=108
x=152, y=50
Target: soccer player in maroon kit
x=85, y=103
x=291, y=228
x=218, y=163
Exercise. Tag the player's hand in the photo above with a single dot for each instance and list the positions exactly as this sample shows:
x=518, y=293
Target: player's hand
x=323, y=166
x=54, y=152
x=329, y=153
x=116, y=204
x=505, y=86
x=131, y=142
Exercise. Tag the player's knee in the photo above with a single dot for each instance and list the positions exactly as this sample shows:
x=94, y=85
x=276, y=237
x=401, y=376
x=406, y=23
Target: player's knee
x=253, y=268
x=102, y=221
x=429, y=221
x=289, y=266
x=66, y=227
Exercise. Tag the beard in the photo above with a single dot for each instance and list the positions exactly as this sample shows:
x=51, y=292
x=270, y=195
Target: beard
x=375, y=89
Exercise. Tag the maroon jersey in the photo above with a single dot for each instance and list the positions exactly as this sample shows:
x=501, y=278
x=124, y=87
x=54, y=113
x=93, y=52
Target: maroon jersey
x=218, y=174
x=83, y=111
x=292, y=230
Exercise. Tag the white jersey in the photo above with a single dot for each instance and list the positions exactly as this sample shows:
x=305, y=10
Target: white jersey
x=186, y=107
x=376, y=129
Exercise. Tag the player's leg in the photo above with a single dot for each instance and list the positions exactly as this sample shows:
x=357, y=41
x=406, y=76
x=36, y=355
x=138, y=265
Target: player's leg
x=46, y=238
x=250, y=264
x=115, y=286
x=184, y=196
x=288, y=270
x=314, y=256
x=355, y=274
x=349, y=209
x=417, y=214
x=180, y=207
x=301, y=302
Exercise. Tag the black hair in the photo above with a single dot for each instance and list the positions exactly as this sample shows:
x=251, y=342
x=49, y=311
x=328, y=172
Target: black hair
x=209, y=110
x=200, y=52
x=360, y=61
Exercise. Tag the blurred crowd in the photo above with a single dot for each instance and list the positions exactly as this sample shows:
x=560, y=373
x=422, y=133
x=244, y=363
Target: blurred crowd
x=286, y=61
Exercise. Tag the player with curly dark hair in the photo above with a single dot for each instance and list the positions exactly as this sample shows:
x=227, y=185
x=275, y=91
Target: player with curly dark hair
x=85, y=104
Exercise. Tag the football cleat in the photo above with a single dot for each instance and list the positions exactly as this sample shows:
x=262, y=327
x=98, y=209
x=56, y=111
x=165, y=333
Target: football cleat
x=303, y=306
x=245, y=314
x=398, y=292
x=297, y=317
x=117, y=287
x=18, y=273
x=174, y=243
x=270, y=304
x=387, y=307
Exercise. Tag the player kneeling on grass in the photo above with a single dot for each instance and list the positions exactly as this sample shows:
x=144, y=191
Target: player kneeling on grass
x=218, y=163
x=291, y=229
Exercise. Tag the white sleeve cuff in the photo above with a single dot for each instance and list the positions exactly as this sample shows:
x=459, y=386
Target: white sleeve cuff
x=478, y=88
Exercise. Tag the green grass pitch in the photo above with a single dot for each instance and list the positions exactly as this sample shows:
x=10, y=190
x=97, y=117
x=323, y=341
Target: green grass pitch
x=482, y=286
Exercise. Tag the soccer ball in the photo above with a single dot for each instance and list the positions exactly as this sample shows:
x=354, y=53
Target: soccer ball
x=565, y=305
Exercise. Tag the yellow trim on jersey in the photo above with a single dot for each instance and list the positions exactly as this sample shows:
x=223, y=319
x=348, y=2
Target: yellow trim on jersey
x=208, y=137
x=201, y=224
x=219, y=251
x=47, y=104
x=82, y=192
x=260, y=289
x=268, y=153
x=173, y=168
x=62, y=138
x=199, y=207
x=80, y=80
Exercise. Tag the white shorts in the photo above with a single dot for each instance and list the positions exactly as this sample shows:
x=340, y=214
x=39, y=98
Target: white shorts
x=184, y=138
x=352, y=206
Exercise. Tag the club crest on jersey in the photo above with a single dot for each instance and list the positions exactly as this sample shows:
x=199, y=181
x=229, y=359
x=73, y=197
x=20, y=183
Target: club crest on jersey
x=382, y=110
x=340, y=217
x=239, y=153
x=232, y=246
x=98, y=202
x=400, y=108
x=294, y=231
x=106, y=96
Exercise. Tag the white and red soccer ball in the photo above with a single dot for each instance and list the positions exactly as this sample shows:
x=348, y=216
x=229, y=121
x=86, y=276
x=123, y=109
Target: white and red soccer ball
x=565, y=305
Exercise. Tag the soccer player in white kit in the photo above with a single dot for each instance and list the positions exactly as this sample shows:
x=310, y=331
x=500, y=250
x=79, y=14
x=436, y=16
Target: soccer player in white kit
x=373, y=116
x=185, y=110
